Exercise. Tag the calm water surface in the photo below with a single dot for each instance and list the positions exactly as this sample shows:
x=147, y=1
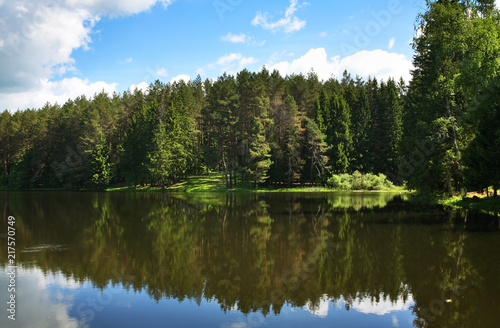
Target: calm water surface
x=247, y=260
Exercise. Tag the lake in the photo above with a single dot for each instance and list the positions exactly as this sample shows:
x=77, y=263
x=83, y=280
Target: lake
x=246, y=260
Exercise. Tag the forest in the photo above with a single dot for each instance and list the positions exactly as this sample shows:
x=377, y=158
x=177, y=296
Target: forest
x=438, y=133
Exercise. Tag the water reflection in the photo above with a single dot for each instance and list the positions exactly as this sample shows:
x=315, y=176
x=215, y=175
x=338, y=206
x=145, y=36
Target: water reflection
x=251, y=259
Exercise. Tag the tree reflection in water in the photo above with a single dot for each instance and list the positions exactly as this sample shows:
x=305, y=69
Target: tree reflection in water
x=255, y=252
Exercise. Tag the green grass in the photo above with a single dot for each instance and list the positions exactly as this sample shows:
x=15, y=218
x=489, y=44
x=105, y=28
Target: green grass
x=216, y=183
x=213, y=183
x=489, y=205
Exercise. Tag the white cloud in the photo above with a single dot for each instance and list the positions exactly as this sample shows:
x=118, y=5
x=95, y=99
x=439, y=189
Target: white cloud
x=229, y=58
x=241, y=38
x=117, y=7
x=377, y=63
x=391, y=43
x=162, y=72
x=52, y=33
x=143, y=86
x=53, y=92
x=182, y=77
x=323, y=34
x=38, y=39
x=232, y=63
x=290, y=23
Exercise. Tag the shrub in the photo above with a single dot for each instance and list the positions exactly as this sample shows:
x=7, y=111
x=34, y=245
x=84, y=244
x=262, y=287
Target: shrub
x=359, y=181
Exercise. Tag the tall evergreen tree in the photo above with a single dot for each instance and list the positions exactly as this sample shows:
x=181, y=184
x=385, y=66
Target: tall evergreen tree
x=220, y=123
x=340, y=134
x=435, y=105
x=361, y=128
x=315, y=153
x=286, y=153
x=391, y=126
x=138, y=144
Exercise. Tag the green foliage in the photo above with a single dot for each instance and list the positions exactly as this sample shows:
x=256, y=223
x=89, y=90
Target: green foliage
x=20, y=176
x=456, y=61
x=101, y=170
x=359, y=181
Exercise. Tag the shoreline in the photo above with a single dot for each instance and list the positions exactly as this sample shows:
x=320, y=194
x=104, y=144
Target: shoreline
x=212, y=184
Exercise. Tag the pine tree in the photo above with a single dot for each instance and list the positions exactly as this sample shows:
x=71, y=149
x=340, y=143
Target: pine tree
x=315, y=153
x=361, y=132
x=219, y=127
x=286, y=151
x=138, y=144
x=391, y=126
x=340, y=134
x=168, y=158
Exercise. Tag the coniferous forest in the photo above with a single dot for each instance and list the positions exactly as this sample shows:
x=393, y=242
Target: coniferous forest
x=439, y=132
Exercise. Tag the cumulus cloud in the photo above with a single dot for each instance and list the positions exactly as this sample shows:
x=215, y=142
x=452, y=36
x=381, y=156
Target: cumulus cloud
x=53, y=92
x=38, y=38
x=289, y=24
x=143, y=86
x=182, y=77
x=377, y=63
x=115, y=8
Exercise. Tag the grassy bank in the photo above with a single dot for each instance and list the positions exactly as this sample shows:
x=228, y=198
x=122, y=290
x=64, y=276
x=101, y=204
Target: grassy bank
x=471, y=202
x=216, y=183
x=490, y=204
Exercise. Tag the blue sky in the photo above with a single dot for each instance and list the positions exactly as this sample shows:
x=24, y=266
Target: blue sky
x=53, y=50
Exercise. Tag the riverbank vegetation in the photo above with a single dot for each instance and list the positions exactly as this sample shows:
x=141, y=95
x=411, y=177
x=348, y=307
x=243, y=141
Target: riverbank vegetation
x=437, y=134
x=472, y=201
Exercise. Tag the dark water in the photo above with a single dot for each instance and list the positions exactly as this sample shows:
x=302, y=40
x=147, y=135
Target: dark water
x=247, y=260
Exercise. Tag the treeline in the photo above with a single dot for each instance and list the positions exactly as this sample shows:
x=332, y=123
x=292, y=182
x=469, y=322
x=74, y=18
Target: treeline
x=254, y=127
x=440, y=134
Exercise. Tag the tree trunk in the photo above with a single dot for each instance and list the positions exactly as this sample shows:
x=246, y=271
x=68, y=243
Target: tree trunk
x=230, y=175
x=312, y=169
x=225, y=170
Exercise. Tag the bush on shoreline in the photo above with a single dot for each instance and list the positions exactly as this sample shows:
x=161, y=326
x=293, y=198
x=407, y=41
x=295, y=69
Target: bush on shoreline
x=359, y=181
